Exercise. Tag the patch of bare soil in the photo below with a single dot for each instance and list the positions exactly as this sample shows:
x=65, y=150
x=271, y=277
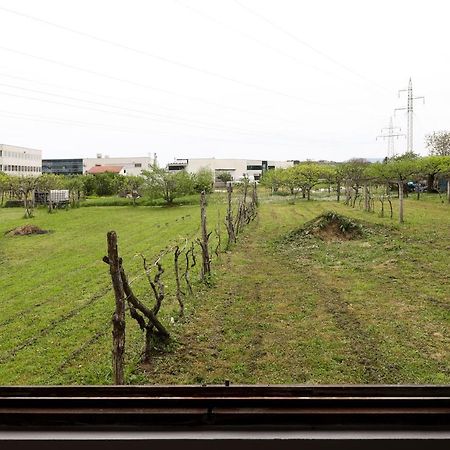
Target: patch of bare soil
x=26, y=230
x=332, y=232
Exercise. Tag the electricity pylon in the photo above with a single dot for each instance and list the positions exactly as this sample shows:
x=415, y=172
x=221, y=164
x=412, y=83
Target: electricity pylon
x=410, y=112
x=390, y=135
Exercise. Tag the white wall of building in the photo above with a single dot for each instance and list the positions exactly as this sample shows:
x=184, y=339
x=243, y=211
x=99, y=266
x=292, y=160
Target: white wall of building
x=131, y=165
x=238, y=168
x=20, y=161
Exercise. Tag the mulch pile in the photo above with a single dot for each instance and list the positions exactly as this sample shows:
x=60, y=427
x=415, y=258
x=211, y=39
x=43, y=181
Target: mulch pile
x=329, y=226
x=26, y=230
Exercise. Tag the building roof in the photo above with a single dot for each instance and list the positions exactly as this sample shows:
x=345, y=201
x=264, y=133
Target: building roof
x=104, y=169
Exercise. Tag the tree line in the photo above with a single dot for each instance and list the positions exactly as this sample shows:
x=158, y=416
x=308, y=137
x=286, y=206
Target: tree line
x=156, y=183
x=359, y=179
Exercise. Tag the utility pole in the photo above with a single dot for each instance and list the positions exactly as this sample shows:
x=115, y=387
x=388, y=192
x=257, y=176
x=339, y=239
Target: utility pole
x=392, y=132
x=410, y=113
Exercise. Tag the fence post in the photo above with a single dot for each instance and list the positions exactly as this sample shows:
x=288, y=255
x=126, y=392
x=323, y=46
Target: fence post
x=206, y=267
x=118, y=319
x=229, y=219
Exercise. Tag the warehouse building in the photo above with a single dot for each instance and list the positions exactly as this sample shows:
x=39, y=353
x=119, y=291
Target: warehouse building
x=100, y=164
x=73, y=166
x=20, y=160
x=128, y=166
x=237, y=168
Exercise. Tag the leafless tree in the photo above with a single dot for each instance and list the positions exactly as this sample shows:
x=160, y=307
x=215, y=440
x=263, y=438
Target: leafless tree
x=144, y=316
x=438, y=143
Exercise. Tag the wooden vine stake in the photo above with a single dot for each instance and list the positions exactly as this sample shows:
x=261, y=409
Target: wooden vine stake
x=190, y=262
x=229, y=219
x=180, y=294
x=206, y=260
x=255, y=199
x=118, y=319
x=219, y=236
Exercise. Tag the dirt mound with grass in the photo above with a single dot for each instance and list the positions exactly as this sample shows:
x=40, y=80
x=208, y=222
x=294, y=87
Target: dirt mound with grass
x=329, y=226
x=26, y=230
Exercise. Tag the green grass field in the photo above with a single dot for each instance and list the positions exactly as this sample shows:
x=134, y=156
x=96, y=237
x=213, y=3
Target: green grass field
x=56, y=292
x=371, y=310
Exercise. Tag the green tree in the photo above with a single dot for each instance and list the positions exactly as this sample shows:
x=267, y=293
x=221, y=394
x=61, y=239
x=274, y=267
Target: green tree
x=431, y=168
x=400, y=170
x=203, y=180
x=308, y=175
x=272, y=179
x=289, y=179
x=108, y=183
x=46, y=183
x=224, y=177
x=160, y=183
x=24, y=188
x=5, y=182
x=76, y=186
x=445, y=173
x=132, y=186
x=328, y=173
x=89, y=184
x=354, y=174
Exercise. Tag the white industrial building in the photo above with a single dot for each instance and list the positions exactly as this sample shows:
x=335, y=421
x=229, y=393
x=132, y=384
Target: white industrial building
x=20, y=160
x=237, y=168
x=125, y=166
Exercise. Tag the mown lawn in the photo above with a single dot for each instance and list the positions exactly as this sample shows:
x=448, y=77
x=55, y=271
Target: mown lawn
x=56, y=298
x=372, y=310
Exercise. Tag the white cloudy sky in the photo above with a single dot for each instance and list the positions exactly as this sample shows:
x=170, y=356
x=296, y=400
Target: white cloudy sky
x=262, y=79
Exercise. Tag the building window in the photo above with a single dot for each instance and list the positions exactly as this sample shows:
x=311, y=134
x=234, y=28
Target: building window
x=250, y=167
x=137, y=165
x=176, y=167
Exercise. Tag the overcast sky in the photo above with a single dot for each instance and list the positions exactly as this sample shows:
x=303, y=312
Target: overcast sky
x=259, y=79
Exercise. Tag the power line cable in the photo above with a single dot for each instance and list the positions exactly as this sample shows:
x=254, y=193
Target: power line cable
x=59, y=121
x=171, y=118
x=83, y=91
x=134, y=116
x=136, y=84
x=258, y=41
x=306, y=44
x=142, y=114
x=160, y=58
x=137, y=116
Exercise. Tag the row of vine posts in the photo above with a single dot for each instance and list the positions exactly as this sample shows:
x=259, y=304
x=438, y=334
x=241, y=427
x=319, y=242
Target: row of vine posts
x=147, y=316
x=368, y=198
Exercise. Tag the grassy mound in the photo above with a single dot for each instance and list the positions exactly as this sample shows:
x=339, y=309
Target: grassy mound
x=26, y=230
x=329, y=226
